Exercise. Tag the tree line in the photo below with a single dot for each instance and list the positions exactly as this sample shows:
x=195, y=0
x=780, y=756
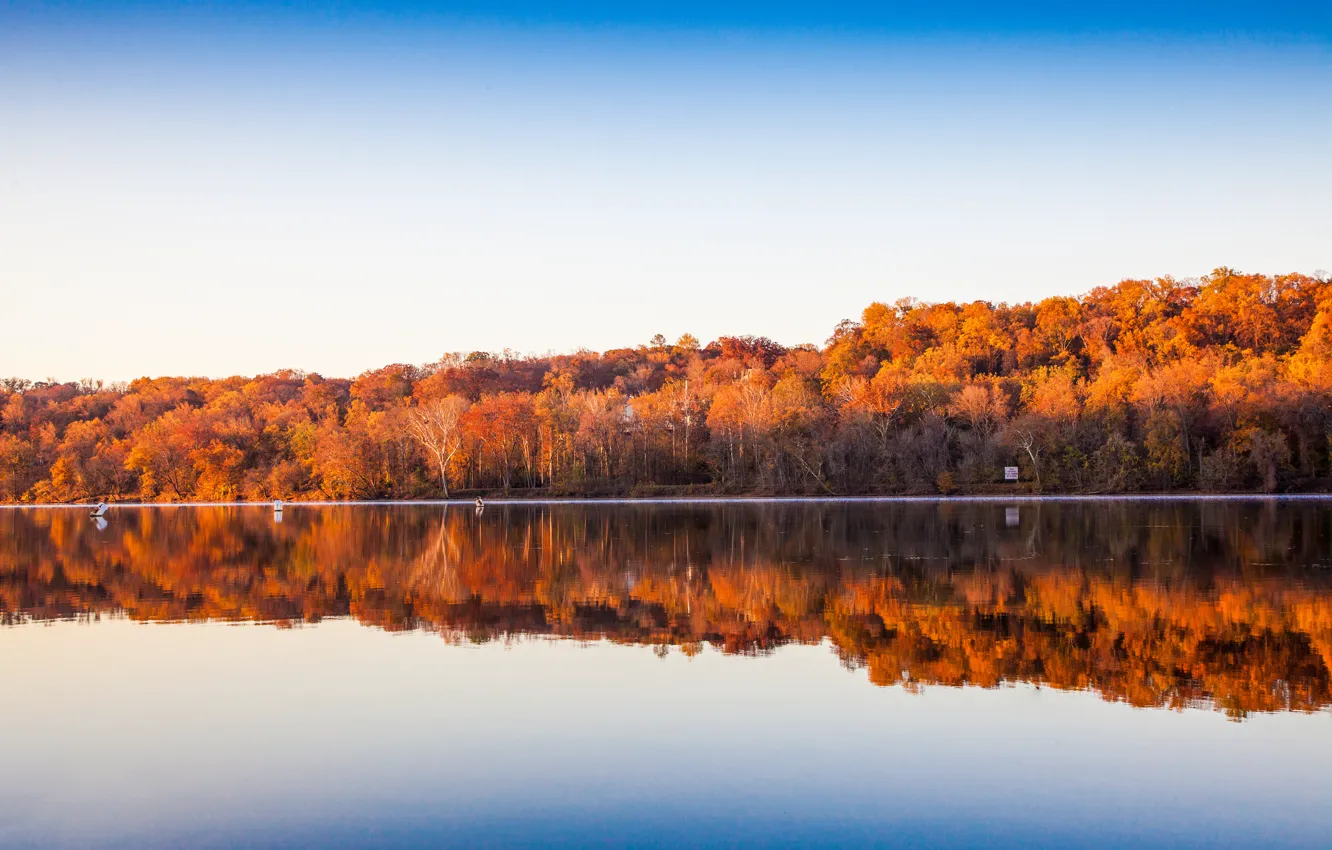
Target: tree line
x=1216, y=384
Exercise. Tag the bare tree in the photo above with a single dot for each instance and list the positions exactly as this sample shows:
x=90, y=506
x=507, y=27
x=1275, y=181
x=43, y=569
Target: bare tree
x=1025, y=439
x=435, y=427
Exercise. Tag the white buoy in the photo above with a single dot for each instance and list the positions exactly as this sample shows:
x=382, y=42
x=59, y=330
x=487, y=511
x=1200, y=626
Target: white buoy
x=100, y=510
x=277, y=506
x=479, y=503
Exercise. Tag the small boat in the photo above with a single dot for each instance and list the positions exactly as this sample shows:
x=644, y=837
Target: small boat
x=100, y=510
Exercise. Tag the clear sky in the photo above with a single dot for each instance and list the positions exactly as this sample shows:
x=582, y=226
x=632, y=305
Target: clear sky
x=192, y=189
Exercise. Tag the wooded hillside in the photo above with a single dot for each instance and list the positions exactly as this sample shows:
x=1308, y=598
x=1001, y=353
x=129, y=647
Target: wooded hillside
x=1217, y=384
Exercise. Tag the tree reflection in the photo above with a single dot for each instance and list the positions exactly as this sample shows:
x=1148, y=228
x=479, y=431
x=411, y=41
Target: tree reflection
x=1156, y=604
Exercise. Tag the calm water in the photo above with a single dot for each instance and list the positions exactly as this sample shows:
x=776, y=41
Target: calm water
x=963, y=673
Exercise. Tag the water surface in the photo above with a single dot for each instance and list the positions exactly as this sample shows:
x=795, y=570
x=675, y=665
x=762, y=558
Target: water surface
x=776, y=673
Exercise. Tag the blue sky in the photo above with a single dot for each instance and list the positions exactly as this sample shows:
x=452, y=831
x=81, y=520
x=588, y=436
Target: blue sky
x=217, y=190
x=1199, y=17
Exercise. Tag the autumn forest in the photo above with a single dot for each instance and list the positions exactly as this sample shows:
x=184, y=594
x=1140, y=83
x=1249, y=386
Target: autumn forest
x=1218, y=384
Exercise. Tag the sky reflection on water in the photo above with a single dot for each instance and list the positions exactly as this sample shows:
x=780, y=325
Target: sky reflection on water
x=718, y=689
x=220, y=735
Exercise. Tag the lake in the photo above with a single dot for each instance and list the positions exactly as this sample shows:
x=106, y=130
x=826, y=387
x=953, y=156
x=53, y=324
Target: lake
x=1026, y=673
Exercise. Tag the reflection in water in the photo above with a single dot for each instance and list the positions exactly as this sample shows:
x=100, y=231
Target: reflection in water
x=1153, y=603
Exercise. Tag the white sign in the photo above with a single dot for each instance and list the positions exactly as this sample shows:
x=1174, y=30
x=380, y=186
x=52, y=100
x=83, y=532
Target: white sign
x=1010, y=473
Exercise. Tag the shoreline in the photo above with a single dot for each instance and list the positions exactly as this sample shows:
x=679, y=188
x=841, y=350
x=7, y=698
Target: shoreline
x=703, y=500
